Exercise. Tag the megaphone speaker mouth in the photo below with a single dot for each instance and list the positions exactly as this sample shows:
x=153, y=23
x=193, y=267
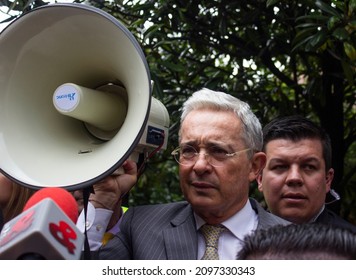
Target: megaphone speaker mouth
x=49, y=56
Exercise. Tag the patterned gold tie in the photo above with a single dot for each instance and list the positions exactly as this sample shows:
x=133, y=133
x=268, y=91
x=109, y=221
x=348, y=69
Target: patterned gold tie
x=211, y=235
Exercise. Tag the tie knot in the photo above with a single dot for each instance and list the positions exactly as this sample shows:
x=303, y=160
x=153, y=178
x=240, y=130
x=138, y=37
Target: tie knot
x=211, y=235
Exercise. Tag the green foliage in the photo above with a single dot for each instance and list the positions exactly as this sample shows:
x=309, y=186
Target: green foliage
x=282, y=57
x=331, y=28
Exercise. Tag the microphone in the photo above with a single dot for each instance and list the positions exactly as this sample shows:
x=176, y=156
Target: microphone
x=61, y=197
x=45, y=229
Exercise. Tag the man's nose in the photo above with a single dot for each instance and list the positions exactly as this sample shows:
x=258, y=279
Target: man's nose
x=294, y=177
x=202, y=163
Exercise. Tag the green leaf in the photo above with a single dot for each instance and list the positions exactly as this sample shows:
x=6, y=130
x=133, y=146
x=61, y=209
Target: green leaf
x=341, y=33
x=301, y=43
x=318, y=39
x=272, y=3
x=327, y=9
x=308, y=32
x=348, y=71
x=173, y=66
x=308, y=25
x=350, y=51
x=315, y=17
x=353, y=24
x=352, y=7
x=332, y=22
x=151, y=31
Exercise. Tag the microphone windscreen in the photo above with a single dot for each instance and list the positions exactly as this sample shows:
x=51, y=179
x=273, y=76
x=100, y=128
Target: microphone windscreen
x=64, y=199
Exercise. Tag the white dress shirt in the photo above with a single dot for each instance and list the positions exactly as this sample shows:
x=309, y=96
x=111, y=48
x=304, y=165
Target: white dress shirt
x=230, y=242
x=96, y=222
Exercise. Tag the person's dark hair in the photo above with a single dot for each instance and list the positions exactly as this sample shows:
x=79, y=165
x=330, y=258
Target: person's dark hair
x=299, y=242
x=296, y=128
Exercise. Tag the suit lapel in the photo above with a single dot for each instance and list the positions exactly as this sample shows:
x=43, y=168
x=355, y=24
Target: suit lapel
x=181, y=239
x=265, y=219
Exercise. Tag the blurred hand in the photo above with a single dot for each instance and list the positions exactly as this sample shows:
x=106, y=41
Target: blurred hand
x=109, y=191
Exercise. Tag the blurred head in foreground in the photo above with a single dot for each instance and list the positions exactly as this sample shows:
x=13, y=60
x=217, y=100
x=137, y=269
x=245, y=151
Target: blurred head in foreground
x=300, y=242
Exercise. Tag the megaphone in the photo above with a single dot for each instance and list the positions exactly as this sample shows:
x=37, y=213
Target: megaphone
x=75, y=98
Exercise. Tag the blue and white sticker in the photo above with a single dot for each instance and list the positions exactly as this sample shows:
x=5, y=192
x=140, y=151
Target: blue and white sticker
x=66, y=97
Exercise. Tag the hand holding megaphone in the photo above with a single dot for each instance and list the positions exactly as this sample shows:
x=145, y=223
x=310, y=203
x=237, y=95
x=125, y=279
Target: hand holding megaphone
x=109, y=191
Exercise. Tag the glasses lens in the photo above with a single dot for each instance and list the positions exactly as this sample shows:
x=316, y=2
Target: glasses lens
x=188, y=155
x=216, y=156
x=185, y=155
x=188, y=152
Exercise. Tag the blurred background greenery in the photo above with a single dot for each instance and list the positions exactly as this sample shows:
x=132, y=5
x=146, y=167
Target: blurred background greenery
x=282, y=57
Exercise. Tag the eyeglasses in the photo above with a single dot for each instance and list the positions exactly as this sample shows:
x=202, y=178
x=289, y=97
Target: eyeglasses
x=216, y=156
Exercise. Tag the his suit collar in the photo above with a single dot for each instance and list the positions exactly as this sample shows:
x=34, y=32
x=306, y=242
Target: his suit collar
x=183, y=215
x=265, y=219
x=181, y=239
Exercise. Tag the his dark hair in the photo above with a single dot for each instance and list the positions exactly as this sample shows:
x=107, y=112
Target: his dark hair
x=296, y=128
x=297, y=242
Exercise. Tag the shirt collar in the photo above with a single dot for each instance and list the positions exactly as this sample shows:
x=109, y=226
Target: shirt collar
x=246, y=217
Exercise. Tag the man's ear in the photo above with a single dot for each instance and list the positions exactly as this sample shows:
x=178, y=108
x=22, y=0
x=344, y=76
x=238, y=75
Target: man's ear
x=329, y=178
x=257, y=164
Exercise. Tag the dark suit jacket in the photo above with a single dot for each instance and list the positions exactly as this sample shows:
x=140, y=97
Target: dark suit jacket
x=165, y=232
x=329, y=217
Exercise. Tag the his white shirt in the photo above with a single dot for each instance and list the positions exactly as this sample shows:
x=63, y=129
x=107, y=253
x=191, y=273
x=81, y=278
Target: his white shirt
x=230, y=242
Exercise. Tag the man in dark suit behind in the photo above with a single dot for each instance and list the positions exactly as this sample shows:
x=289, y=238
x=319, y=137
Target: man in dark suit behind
x=219, y=155
x=298, y=173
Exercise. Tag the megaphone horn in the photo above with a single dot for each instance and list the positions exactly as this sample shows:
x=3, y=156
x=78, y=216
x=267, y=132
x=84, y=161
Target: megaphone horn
x=75, y=97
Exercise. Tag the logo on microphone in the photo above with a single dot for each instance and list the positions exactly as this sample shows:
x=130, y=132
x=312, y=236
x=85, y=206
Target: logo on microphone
x=63, y=233
x=20, y=226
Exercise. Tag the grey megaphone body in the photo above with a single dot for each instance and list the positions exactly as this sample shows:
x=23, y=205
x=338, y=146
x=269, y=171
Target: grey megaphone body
x=75, y=98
